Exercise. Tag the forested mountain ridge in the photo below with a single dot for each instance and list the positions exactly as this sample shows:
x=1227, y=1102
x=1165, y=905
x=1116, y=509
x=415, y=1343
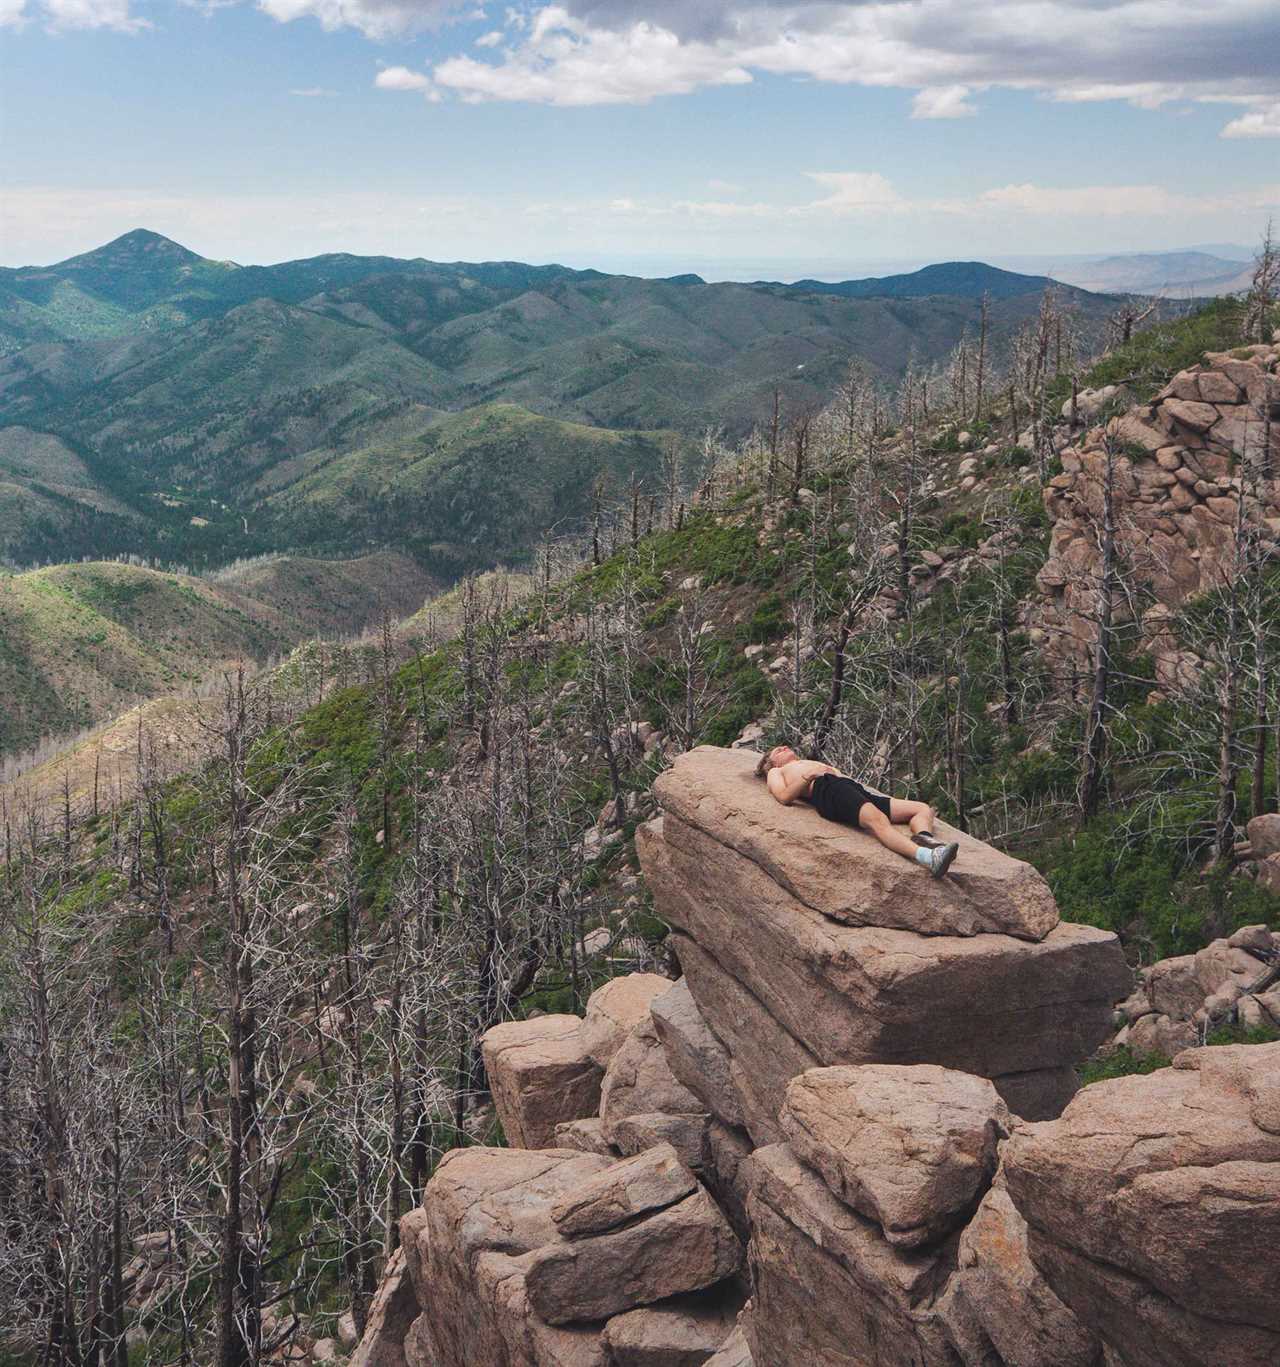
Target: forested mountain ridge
x=449, y=840
x=190, y=389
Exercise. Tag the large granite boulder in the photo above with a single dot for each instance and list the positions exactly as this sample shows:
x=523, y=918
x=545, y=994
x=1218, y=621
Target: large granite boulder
x=695, y=1056
x=487, y=1211
x=615, y=1009
x=911, y=1147
x=1153, y=1208
x=681, y=1248
x=786, y=989
x=844, y=873
x=1001, y=1294
x=541, y=1075
x=828, y=1289
x=639, y=1081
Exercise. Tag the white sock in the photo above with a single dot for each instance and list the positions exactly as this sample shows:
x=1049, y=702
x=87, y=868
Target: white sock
x=924, y=856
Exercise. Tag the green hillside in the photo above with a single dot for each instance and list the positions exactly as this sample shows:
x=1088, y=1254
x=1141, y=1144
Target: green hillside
x=375, y=868
x=81, y=643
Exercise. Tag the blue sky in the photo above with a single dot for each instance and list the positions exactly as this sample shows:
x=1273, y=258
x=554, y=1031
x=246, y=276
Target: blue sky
x=647, y=135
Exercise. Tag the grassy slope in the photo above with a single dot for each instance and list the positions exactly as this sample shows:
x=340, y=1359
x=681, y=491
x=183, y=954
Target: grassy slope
x=80, y=643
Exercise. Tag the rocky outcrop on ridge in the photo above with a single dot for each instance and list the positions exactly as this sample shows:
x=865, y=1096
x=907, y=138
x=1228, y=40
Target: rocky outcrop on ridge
x=758, y=895
x=1178, y=1001
x=827, y=1118
x=1182, y=465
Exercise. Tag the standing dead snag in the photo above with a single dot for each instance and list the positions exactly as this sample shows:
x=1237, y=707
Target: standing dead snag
x=1095, y=737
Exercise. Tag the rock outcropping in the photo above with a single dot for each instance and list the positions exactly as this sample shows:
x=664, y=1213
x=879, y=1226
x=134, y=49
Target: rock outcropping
x=1181, y=466
x=832, y=1120
x=1153, y=1208
x=1177, y=1001
x=760, y=897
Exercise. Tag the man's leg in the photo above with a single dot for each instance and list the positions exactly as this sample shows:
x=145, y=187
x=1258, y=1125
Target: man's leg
x=919, y=816
x=936, y=857
x=874, y=822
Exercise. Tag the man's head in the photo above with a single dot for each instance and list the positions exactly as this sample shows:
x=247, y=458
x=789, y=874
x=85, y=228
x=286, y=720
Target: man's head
x=774, y=759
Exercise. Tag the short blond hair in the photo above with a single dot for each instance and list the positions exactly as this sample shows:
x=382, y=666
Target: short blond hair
x=766, y=760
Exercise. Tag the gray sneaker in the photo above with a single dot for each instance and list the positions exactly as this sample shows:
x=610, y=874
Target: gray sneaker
x=943, y=855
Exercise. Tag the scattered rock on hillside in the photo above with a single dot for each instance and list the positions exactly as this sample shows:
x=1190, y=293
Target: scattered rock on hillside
x=1179, y=999
x=540, y=1074
x=1264, y=834
x=911, y=1147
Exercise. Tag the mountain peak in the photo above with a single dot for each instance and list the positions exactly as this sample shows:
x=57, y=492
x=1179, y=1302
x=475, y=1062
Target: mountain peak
x=138, y=247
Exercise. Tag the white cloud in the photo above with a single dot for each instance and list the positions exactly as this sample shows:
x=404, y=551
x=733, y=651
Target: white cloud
x=401, y=78
x=1261, y=123
x=565, y=62
x=491, y=39
x=377, y=19
x=724, y=187
x=854, y=192
x=1149, y=52
x=314, y=92
x=943, y=102
x=59, y=15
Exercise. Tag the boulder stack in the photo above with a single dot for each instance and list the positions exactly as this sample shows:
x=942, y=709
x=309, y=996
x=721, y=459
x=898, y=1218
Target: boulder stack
x=805, y=944
x=1178, y=1000
x=1181, y=465
x=854, y=1083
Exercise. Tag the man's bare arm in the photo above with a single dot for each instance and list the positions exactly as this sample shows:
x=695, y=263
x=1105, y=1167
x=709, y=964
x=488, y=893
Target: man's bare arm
x=785, y=789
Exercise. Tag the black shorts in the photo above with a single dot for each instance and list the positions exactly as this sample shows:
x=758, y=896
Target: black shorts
x=840, y=799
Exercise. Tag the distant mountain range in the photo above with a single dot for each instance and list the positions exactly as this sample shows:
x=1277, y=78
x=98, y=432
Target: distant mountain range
x=153, y=400
x=1181, y=274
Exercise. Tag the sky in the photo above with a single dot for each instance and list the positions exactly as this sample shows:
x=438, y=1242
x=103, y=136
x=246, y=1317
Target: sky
x=731, y=138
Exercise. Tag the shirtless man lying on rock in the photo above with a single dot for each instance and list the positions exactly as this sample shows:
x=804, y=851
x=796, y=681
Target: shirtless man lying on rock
x=843, y=799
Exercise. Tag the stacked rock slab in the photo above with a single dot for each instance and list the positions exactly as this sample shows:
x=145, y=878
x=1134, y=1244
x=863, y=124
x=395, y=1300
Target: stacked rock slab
x=1153, y=1209
x=805, y=943
x=554, y=1258
x=855, y=1221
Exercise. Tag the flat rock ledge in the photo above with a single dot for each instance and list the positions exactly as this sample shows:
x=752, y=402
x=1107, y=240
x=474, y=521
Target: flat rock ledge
x=844, y=873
